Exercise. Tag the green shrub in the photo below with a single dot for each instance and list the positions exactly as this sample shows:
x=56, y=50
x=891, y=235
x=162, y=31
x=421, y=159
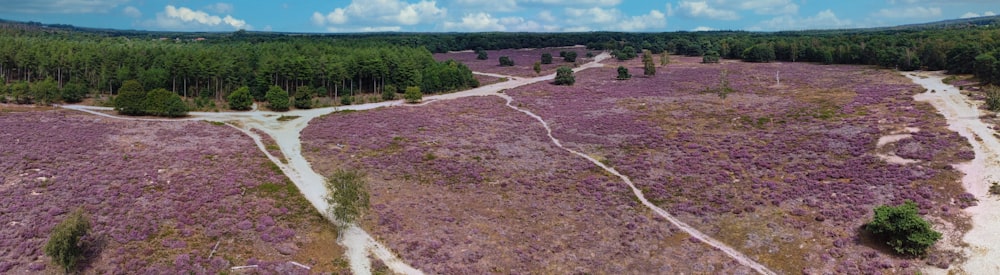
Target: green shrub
x=240, y=100
x=389, y=92
x=546, y=58
x=346, y=100
x=46, y=91
x=160, y=102
x=569, y=56
x=623, y=73
x=903, y=229
x=303, y=98
x=277, y=99
x=74, y=92
x=413, y=94
x=348, y=195
x=65, y=246
x=20, y=93
x=131, y=99
x=506, y=61
x=993, y=98
x=564, y=76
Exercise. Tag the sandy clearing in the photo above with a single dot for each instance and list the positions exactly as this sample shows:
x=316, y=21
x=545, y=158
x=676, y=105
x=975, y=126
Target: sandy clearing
x=963, y=115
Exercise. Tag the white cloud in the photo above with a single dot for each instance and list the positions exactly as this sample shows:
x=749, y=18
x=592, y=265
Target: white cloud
x=703, y=29
x=601, y=3
x=183, y=17
x=577, y=29
x=60, y=6
x=519, y=24
x=366, y=29
x=593, y=15
x=490, y=5
x=476, y=22
x=546, y=16
x=220, y=8
x=131, y=11
x=972, y=14
x=654, y=19
x=910, y=12
x=702, y=9
x=769, y=6
x=382, y=12
x=823, y=20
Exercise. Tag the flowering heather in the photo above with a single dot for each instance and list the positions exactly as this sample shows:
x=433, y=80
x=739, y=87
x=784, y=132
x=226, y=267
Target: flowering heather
x=785, y=173
x=159, y=195
x=524, y=60
x=469, y=186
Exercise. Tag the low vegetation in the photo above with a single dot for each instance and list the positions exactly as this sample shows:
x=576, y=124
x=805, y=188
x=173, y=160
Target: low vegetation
x=903, y=229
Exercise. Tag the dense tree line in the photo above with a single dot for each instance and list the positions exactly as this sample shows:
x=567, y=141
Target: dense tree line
x=213, y=70
x=378, y=63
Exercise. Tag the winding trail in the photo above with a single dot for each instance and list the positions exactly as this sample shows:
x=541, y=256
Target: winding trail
x=358, y=243
x=963, y=117
x=739, y=257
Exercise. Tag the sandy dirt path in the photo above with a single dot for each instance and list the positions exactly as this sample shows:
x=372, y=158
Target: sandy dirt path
x=983, y=252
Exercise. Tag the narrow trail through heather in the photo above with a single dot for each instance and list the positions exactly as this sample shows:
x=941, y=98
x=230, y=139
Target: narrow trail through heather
x=739, y=257
x=963, y=117
x=358, y=243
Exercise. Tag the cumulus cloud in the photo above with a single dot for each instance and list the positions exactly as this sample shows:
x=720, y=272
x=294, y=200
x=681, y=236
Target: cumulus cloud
x=220, y=8
x=382, y=12
x=972, y=14
x=131, y=11
x=703, y=10
x=519, y=24
x=491, y=5
x=703, y=29
x=476, y=22
x=652, y=20
x=826, y=19
x=182, y=17
x=602, y=3
x=910, y=12
x=768, y=6
x=593, y=15
x=60, y=6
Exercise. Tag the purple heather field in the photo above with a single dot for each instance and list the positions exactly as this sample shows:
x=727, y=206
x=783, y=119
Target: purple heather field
x=470, y=186
x=785, y=173
x=159, y=196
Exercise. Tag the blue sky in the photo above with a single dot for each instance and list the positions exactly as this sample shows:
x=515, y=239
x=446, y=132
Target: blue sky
x=490, y=15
